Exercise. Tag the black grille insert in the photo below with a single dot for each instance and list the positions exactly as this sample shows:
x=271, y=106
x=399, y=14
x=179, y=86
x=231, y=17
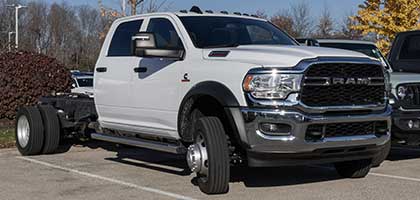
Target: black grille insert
x=319, y=131
x=318, y=95
x=412, y=97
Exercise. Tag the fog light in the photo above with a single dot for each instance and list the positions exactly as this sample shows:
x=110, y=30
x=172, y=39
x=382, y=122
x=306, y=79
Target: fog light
x=275, y=129
x=413, y=124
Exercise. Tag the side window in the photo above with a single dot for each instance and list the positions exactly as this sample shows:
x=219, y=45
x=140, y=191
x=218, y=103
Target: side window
x=121, y=41
x=411, y=48
x=165, y=34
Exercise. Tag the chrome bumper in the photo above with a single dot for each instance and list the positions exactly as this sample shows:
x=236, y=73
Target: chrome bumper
x=256, y=141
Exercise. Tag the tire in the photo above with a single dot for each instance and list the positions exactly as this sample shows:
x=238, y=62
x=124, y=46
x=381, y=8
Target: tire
x=217, y=179
x=377, y=161
x=354, y=169
x=29, y=131
x=51, y=129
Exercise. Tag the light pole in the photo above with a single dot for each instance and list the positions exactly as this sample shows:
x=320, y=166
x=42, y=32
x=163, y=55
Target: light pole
x=10, y=41
x=17, y=7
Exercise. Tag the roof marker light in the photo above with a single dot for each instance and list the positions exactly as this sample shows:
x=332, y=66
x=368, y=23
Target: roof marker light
x=196, y=9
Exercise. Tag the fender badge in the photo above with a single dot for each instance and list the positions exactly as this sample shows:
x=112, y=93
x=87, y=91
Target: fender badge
x=186, y=79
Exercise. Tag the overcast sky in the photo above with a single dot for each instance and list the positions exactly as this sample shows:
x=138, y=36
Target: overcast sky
x=338, y=8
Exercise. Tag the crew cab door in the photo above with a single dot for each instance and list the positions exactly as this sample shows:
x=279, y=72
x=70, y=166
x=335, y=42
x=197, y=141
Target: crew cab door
x=154, y=91
x=113, y=74
x=405, y=52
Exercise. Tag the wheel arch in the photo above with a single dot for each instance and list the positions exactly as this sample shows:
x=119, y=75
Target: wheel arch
x=214, y=93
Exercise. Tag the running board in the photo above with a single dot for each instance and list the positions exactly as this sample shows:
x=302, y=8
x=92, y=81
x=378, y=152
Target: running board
x=148, y=144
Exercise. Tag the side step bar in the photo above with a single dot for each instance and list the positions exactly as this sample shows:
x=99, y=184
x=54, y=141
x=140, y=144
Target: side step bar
x=148, y=144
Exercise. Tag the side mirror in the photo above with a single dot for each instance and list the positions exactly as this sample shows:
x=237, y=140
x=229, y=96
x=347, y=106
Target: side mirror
x=73, y=85
x=144, y=45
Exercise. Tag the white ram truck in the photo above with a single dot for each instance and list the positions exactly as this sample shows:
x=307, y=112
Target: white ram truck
x=223, y=90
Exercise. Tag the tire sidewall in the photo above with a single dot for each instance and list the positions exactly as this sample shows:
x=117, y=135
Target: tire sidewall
x=212, y=157
x=34, y=146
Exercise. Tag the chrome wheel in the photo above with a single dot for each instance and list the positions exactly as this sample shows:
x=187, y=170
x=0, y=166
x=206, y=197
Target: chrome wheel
x=23, y=131
x=197, y=157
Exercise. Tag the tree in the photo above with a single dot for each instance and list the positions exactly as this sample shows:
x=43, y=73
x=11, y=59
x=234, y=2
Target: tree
x=325, y=27
x=90, y=27
x=346, y=30
x=36, y=36
x=285, y=21
x=300, y=13
x=386, y=18
x=261, y=14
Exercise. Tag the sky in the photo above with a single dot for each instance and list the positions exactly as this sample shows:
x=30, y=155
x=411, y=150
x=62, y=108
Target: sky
x=338, y=8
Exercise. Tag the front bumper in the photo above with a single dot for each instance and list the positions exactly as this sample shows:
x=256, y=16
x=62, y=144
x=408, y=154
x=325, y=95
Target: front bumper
x=264, y=150
x=402, y=131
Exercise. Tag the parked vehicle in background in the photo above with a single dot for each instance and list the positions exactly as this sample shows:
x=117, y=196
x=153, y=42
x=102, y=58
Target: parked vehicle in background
x=82, y=83
x=404, y=58
x=307, y=42
x=403, y=64
x=224, y=90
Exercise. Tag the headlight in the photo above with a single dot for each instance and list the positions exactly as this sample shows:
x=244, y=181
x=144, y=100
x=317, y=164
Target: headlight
x=272, y=86
x=402, y=92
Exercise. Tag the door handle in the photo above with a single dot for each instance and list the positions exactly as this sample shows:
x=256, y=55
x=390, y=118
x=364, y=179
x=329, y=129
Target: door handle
x=101, y=69
x=140, y=69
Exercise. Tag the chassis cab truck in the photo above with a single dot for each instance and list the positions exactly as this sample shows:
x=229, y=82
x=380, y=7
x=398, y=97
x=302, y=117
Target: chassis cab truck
x=223, y=90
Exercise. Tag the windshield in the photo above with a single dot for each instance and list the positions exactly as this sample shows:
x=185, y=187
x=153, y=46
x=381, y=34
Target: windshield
x=367, y=49
x=85, y=82
x=214, y=32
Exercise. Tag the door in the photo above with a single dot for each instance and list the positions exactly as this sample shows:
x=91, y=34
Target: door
x=155, y=91
x=113, y=74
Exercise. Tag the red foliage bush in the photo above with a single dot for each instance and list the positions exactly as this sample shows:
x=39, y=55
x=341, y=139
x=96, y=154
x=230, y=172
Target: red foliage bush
x=25, y=76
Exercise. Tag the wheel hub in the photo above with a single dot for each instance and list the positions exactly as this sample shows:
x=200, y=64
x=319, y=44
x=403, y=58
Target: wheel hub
x=23, y=131
x=197, y=158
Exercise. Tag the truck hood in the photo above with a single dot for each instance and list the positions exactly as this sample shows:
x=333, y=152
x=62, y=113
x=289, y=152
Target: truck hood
x=278, y=56
x=404, y=77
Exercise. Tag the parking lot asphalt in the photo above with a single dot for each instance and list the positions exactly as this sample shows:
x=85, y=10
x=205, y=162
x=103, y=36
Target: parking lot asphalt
x=103, y=171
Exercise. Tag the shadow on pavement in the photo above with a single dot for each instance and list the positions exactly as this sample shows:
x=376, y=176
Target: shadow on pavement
x=404, y=153
x=250, y=177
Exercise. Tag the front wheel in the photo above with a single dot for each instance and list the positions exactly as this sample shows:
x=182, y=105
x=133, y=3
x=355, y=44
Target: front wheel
x=208, y=157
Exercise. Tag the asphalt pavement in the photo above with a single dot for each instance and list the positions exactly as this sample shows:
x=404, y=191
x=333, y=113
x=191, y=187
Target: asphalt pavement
x=104, y=171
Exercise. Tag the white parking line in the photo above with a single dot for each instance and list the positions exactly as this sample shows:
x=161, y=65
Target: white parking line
x=148, y=189
x=395, y=177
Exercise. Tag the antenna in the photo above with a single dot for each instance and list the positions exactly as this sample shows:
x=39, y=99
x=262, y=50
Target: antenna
x=237, y=13
x=183, y=11
x=245, y=14
x=196, y=9
x=224, y=12
x=209, y=11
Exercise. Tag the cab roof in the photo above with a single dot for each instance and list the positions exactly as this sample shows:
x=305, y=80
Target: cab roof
x=196, y=12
